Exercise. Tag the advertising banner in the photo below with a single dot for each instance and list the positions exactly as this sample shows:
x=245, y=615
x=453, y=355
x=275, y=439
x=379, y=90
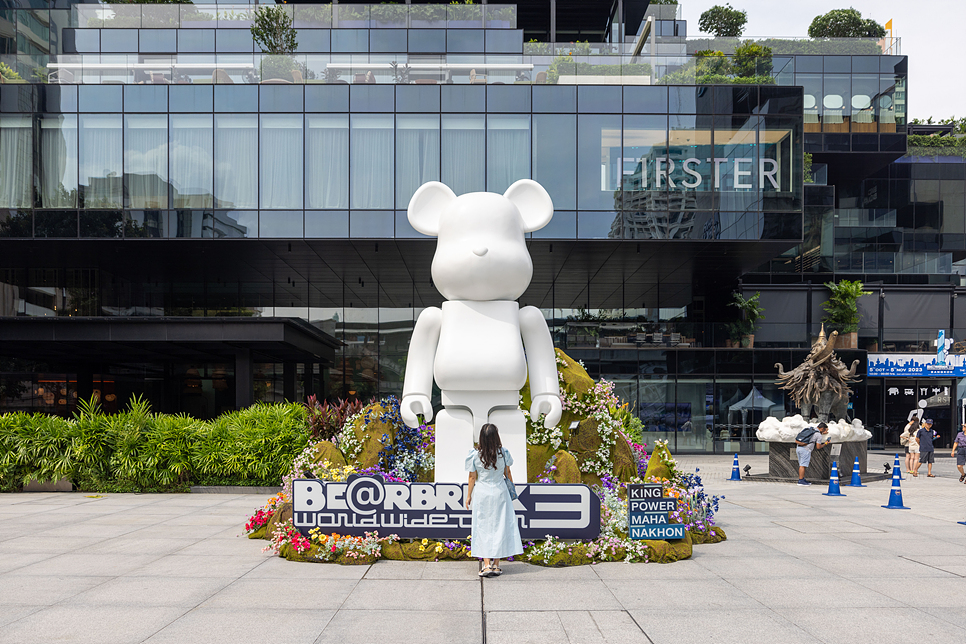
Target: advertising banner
x=647, y=513
x=435, y=510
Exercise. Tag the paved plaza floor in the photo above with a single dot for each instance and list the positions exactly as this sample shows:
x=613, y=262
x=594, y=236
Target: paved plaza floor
x=798, y=567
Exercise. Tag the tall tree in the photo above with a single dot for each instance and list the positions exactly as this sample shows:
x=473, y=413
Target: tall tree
x=272, y=30
x=723, y=21
x=845, y=23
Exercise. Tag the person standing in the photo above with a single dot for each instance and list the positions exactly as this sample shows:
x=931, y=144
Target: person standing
x=959, y=451
x=905, y=438
x=913, y=447
x=495, y=533
x=804, y=451
x=927, y=453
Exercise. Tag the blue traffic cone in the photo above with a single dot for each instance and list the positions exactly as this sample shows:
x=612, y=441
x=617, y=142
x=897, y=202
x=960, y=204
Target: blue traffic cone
x=833, y=482
x=895, y=466
x=961, y=522
x=895, y=496
x=735, y=474
x=856, y=475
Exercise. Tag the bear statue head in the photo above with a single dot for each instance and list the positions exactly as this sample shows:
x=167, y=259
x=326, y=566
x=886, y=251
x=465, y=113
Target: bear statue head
x=481, y=251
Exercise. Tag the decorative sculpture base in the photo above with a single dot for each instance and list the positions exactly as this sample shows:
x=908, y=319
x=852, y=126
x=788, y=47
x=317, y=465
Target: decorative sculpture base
x=783, y=462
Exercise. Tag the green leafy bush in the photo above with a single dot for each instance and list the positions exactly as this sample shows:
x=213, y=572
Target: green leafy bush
x=138, y=450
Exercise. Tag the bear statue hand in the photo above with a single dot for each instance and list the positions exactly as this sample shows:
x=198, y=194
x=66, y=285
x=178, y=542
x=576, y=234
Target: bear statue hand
x=548, y=404
x=413, y=404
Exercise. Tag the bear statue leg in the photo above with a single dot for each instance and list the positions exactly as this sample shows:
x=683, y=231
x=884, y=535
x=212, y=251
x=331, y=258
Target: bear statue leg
x=513, y=434
x=454, y=440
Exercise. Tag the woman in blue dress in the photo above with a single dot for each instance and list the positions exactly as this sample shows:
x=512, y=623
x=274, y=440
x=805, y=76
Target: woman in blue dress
x=495, y=533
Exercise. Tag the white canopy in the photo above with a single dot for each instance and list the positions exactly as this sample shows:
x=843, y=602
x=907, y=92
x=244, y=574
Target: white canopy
x=754, y=400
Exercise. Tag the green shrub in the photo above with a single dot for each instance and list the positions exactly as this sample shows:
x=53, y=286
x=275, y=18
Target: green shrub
x=138, y=450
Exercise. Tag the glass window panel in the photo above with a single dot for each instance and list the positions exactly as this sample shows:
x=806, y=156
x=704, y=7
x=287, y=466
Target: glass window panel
x=190, y=98
x=332, y=223
x=836, y=108
x=366, y=98
x=145, y=98
x=562, y=226
x=838, y=64
x=233, y=98
x=145, y=224
x=417, y=154
x=326, y=161
x=100, y=98
x=55, y=224
x=427, y=41
x=508, y=41
x=280, y=224
x=192, y=161
x=645, y=167
x=508, y=98
x=189, y=224
x=689, y=169
x=690, y=100
x=158, y=41
x=101, y=160
x=599, y=98
x=598, y=225
x=417, y=98
x=280, y=177
x=86, y=41
x=101, y=223
x=313, y=41
x=350, y=40
x=234, y=40
x=119, y=40
x=388, y=40
x=327, y=98
x=463, y=152
x=236, y=159
x=779, y=164
x=812, y=100
x=735, y=161
x=554, y=98
x=234, y=224
x=146, y=160
x=555, y=157
x=645, y=99
x=371, y=224
x=507, y=150
x=371, y=161
x=280, y=98
x=58, y=161
x=62, y=98
x=16, y=162
x=404, y=229
x=468, y=41
x=463, y=98
x=196, y=40
x=16, y=224
x=598, y=160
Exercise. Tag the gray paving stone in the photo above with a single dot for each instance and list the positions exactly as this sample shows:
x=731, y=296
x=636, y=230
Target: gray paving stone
x=30, y=543
x=12, y=561
x=703, y=594
x=87, y=565
x=731, y=568
x=687, y=569
x=669, y=625
x=448, y=570
x=784, y=593
x=232, y=626
x=150, y=591
x=875, y=625
x=123, y=544
x=273, y=567
x=88, y=625
x=268, y=595
x=11, y=614
x=929, y=593
x=176, y=565
x=404, y=627
x=42, y=591
x=415, y=595
x=502, y=594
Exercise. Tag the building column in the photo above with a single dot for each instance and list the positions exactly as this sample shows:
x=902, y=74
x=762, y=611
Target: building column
x=288, y=381
x=244, y=379
x=308, y=373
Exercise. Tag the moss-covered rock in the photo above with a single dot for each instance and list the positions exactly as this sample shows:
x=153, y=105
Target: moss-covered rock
x=625, y=466
x=567, y=470
x=409, y=551
x=656, y=467
x=706, y=536
x=327, y=451
x=537, y=457
x=282, y=513
x=575, y=378
x=369, y=430
x=669, y=551
x=260, y=533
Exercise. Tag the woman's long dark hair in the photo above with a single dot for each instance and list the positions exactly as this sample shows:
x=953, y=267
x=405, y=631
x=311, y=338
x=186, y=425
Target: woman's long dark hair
x=490, y=445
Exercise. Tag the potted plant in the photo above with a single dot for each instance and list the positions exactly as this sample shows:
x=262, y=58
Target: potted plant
x=273, y=32
x=843, y=310
x=751, y=311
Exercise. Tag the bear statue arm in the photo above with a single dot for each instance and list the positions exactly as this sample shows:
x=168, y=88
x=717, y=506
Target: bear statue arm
x=541, y=365
x=418, y=383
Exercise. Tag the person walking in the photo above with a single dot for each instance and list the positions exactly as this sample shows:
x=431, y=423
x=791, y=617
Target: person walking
x=959, y=451
x=495, y=533
x=804, y=450
x=907, y=436
x=913, y=447
x=927, y=452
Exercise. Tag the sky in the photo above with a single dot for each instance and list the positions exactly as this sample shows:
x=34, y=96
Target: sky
x=931, y=33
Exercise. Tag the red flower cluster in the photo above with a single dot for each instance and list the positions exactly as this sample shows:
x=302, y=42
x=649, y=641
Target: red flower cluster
x=257, y=520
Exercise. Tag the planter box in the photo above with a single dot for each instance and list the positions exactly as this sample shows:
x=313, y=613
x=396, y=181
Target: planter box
x=62, y=485
x=783, y=462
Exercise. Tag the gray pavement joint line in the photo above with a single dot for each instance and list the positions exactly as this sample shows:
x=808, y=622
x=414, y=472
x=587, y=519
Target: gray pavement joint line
x=482, y=610
x=933, y=567
x=348, y=594
x=617, y=599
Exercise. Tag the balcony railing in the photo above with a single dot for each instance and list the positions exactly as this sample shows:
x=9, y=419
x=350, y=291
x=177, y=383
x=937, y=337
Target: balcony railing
x=319, y=16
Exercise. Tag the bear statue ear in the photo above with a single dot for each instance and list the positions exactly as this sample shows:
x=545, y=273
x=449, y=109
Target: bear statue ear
x=427, y=206
x=533, y=202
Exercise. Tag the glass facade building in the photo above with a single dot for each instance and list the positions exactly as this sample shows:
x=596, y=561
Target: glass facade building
x=156, y=167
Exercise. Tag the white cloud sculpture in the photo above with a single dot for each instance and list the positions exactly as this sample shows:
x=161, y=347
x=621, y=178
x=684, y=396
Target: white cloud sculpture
x=772, y=430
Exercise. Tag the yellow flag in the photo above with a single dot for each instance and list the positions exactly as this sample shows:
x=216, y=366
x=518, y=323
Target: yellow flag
x=888, y=25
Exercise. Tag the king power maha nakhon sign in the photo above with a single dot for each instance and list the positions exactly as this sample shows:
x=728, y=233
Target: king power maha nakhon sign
x=435, y=510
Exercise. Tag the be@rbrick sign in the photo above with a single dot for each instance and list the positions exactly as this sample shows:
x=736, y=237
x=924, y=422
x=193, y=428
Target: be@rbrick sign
x=435, y=510
x=647, y=510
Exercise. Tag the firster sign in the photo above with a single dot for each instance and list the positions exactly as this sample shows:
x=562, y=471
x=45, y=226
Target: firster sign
x=435, y=510
x=658, y=172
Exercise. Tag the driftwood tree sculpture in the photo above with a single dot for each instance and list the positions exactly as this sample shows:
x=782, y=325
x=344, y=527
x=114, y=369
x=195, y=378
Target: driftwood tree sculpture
x=821, y=383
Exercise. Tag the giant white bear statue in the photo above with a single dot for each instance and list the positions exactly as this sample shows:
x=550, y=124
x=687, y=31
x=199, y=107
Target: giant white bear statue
x=481, y=345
